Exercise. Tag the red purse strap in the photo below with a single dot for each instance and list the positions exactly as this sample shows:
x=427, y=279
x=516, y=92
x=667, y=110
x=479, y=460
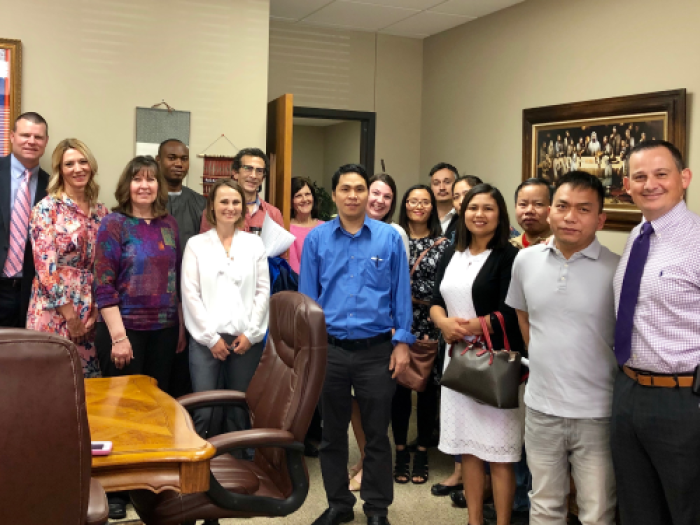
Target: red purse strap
x=499, y=315
x=487, y=336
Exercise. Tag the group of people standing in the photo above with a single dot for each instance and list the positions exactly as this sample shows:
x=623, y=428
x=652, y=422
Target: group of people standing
x=611, y=342
x=176, y=286
x=139, y=290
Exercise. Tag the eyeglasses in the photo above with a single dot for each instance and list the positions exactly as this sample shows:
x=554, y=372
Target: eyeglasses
x=250, y=169
x=416, y=204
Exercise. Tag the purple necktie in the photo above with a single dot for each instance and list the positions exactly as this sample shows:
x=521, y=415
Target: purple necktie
x=630, y=293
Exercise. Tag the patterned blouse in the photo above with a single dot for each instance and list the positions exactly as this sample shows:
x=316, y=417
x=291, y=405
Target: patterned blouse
x=422, y=283
x=63, y=238
x=137, y=267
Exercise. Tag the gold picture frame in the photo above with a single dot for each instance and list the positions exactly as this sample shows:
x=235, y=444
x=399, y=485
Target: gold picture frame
x=554, y=136
x=10, y=89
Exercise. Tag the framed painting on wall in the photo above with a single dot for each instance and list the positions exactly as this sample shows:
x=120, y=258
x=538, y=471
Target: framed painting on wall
x=596, y=136
x=10, y=89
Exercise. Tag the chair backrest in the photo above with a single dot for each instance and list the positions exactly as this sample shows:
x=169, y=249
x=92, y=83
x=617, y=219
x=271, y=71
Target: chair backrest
x=45, y=455
x=286, y=386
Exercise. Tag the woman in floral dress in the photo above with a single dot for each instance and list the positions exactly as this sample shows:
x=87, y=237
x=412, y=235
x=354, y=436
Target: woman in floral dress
x=63, y=227
x=418, y=216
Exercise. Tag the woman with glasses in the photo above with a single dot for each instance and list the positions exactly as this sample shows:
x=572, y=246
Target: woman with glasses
x=419, y=217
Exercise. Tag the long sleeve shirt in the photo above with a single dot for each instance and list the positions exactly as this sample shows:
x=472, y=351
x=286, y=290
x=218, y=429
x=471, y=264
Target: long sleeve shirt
x=361, y=281
x=225, y=294
x=137, y=268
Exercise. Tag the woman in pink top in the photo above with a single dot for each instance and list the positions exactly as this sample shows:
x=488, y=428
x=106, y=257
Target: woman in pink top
x=304, y=217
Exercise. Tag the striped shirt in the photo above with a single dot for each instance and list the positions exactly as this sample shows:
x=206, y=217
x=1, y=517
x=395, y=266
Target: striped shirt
x=666, y=333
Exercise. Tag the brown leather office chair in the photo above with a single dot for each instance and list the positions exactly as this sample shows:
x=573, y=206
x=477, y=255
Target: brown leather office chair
x=281, y=399
x=45, y=456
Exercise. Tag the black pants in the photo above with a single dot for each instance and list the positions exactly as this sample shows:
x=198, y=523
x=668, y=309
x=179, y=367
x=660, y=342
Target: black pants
x=154, y=351
x=426, y=409
x=10, y=305
x=367, y=372
x=655, y=440
x=180, y=381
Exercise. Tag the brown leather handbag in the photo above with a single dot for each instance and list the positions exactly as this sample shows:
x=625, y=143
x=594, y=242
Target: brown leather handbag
x=489, y=376
x=424, y=351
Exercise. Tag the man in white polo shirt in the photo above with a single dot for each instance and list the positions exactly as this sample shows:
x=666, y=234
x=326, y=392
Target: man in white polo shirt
x=563, y=295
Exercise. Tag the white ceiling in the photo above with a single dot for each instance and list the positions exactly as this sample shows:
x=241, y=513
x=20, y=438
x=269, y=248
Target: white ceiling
x=411, y=18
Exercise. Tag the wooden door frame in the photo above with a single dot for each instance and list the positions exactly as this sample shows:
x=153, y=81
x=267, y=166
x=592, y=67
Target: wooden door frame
x=368, y=128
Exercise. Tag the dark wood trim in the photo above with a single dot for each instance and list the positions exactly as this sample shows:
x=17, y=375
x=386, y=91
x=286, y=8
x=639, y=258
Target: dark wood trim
x=368, y=127
x=672, y=102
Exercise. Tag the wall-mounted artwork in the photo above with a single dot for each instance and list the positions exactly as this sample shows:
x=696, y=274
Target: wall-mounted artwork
x=10, y=89
x=596, y=136
x=153, y=126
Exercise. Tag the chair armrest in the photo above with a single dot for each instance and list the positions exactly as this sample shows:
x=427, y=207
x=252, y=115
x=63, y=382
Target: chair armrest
x=257, y=437
x=212, y=398
x=97, y=511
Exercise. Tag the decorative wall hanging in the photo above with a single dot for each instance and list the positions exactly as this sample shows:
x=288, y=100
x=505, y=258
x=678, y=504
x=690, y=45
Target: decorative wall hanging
x=154, y=125
x=10, y=89
x=216, y=166
x=596, y=136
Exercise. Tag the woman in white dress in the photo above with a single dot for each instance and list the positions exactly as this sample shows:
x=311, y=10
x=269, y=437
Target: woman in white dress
x=225, y=299
x=472, y=281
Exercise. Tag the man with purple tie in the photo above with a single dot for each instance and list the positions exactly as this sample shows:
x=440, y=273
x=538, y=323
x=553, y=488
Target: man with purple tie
x=655, y=429
x=22, y=184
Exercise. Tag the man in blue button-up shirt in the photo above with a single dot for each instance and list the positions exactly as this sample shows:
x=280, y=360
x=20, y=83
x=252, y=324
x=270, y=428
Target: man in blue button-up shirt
x=356, y=269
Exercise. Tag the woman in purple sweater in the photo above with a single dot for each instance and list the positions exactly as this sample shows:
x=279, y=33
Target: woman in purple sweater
x=137, y=276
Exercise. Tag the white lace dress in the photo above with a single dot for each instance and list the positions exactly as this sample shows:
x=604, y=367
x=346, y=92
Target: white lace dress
x=468, y=427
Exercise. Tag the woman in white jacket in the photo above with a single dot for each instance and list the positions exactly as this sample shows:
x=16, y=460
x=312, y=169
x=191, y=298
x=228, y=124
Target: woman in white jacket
x=225, y=299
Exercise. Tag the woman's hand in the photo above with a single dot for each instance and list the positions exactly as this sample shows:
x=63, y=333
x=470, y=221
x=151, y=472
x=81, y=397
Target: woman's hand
x=474, y=327
x=91, y=320
x=454, y=329
x=122, y=354
x=76, y=330
x=240, y=344
x=220, y=351
x=181, y=339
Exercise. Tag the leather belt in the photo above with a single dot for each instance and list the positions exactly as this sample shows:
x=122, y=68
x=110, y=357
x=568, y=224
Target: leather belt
x=648, y=379
x=359, y=344
x=10, y=283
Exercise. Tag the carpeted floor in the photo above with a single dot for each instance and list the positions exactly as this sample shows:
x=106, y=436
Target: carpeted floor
x=413, y=504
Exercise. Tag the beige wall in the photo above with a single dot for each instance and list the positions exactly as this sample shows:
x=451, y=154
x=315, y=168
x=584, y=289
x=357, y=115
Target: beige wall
x=340, y=69
x=341, y=146
x=307, y=153
x=88, y=65
x=478, y=78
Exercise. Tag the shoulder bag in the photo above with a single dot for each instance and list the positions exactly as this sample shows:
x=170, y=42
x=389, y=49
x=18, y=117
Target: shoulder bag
x=423, y=352
x=489, y=376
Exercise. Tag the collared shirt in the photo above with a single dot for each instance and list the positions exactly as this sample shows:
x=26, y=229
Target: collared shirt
x=571, y=309
x=16, y=174
x=445, y=221
x=361, y=281
x=666, y=333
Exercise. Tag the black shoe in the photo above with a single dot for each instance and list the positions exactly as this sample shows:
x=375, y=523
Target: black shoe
x=310, y=451
x=377, y=520
x=210, y=522
x=117, y=508
x=334, y=517
x=459, y=499
x=445, y=490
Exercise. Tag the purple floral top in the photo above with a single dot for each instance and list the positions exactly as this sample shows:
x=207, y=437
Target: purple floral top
x=137, y=267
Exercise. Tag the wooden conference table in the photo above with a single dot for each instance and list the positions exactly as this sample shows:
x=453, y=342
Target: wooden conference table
x=154, y=445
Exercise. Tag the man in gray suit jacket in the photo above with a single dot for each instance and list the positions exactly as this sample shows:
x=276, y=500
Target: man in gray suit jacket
x=28, y=138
